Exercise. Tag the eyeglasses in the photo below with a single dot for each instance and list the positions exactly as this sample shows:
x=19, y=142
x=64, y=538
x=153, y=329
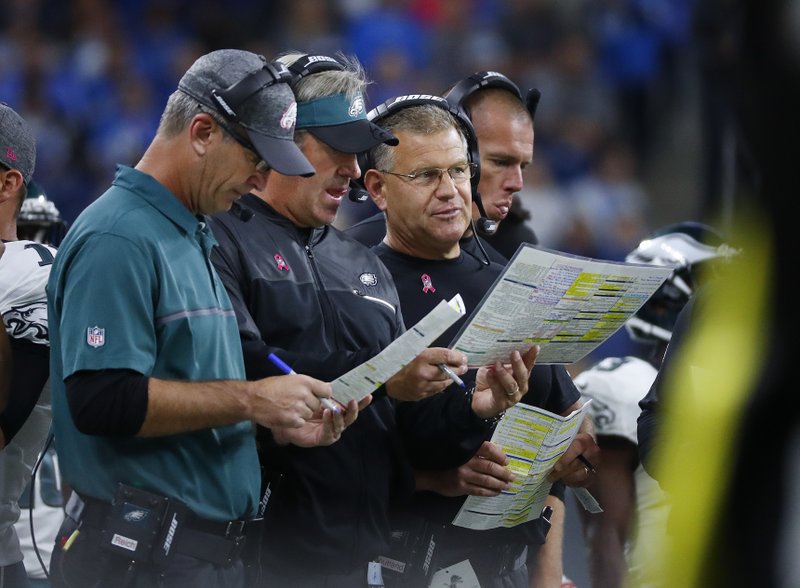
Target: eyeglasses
x=428, y=178
x=262, y=166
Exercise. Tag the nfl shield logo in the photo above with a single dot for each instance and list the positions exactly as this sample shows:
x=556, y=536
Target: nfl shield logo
x=95, y=336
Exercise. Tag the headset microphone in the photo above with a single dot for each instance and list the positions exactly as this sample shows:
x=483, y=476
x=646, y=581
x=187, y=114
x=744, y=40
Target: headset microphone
x=485, y=225
x=243, y=213
x=357, y=193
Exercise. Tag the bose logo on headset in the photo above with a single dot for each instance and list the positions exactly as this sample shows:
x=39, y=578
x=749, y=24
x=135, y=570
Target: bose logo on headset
x=322, y=58
x=418, y=97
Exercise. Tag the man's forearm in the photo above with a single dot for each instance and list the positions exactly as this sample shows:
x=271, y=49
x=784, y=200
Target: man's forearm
x=547, y=569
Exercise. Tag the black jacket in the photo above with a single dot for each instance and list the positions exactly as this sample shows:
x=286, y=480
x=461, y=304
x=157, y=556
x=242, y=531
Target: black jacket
x=324, y=304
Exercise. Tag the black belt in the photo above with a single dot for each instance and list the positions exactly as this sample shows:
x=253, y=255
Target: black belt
x=218, y=542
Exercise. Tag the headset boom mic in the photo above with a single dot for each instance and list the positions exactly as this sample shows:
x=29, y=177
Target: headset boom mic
x=357, y=193
x=487, y=226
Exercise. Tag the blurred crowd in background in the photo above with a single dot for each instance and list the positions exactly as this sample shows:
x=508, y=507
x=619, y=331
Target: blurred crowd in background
x=617, y=150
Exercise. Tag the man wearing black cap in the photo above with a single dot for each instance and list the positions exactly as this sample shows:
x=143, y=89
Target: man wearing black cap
x=152, y=412
x=324, y=304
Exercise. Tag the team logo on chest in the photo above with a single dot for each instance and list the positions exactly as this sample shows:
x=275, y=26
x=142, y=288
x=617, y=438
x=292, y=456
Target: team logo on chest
x=95, y=336
x=282, y=265
x=368, y=279
x=427, y=283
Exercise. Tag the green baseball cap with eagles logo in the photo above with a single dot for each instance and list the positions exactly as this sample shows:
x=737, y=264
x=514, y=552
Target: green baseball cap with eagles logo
x=341, y=122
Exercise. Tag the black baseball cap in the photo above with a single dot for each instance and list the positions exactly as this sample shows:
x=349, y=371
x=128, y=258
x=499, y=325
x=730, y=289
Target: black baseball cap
x=264, y=106
x=17, y=143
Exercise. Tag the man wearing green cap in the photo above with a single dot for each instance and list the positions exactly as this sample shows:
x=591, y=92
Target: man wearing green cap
x=324, y=304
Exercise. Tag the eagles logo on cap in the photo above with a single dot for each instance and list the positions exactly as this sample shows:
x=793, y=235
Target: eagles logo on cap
x=356, y=107
x=289, y=117
x=341, y=122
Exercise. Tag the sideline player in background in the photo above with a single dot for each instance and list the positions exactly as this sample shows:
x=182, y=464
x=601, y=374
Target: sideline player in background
x=39, y=219
x=631, y=499
x=24, y=271
x=42, y=502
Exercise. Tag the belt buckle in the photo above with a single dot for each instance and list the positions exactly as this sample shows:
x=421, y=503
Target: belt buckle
x=235, y=529
x=234, y=532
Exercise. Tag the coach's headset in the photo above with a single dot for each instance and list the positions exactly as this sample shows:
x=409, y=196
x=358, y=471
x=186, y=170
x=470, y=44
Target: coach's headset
x=308, y=65
x=230, y=99
x=304, y=66
x=459, y=94
x=358, y=192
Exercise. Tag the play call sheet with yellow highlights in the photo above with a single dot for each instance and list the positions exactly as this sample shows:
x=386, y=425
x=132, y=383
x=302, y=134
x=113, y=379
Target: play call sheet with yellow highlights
x=566, y=304
x=534, y=440
x=371, y=374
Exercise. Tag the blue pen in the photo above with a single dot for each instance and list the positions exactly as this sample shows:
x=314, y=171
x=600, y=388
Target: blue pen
x=286, y=369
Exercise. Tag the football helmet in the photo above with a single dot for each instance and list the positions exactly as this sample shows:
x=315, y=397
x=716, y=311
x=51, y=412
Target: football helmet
x=687, y=247
x=39, y=220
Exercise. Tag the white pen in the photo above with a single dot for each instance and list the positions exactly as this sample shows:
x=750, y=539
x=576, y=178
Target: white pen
x=284, y=367
x=451, y=374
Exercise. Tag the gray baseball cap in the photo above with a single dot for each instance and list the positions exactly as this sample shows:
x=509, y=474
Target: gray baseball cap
x=17, y=144
x=246, y=90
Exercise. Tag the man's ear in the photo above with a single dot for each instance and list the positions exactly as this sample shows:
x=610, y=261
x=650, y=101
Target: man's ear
x=11, y=181
x=373, y=182
x=201, y=132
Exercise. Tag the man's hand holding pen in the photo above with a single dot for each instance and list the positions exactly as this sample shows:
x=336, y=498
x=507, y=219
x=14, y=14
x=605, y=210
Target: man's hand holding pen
x=424, y=376
x=577, y=466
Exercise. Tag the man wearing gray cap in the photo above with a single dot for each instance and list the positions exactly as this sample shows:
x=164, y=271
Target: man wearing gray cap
x=17, y=162
x=152, y=413
x=24, y=270
x=324, y=304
